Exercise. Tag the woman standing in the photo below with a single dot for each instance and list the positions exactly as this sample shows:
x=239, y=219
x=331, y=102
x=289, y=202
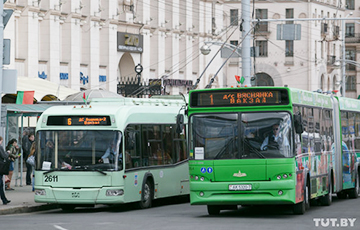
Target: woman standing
x=13, y=150
x=3, y=155
x=32, y=153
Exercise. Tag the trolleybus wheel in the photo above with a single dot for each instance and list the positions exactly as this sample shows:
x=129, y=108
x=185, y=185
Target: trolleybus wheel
x=146, y=195
x=327, y=199
x=301, y=207
x=67, y=207
x=213, y=209
x=354, y=192
x=341, y=195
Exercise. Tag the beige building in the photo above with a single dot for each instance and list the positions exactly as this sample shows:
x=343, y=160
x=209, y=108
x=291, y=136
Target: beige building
x=83, y=44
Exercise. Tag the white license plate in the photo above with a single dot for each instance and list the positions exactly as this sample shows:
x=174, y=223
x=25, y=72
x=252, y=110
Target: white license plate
x=239, y=187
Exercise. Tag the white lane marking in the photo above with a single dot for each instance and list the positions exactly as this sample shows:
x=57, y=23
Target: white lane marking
x=59, y=227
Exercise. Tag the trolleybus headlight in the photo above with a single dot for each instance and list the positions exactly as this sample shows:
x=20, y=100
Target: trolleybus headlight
x=114, y=192
x=196, y=178
x=201, y=193
x=278, y=177
x=40, y=192
x=202, y=178
x=285, y=176
x=280, y=192
x=290, y=175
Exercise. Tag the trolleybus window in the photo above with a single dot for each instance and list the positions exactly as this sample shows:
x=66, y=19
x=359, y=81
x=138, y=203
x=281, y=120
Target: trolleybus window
x=78, y=150
x=261, y=135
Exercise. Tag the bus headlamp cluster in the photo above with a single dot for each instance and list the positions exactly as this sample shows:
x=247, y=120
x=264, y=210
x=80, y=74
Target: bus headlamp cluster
x=40, y=192
x=114, y=192
x=284, y=176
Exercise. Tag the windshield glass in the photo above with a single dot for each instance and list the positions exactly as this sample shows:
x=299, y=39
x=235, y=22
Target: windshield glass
x=238, y=136
x=78, y=150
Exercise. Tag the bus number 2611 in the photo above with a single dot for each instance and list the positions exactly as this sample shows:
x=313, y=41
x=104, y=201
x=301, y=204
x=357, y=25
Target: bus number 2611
x=51, y=178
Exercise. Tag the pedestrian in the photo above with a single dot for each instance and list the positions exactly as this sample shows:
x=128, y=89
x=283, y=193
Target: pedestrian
x=13, y=150
x=3, y=155
x=32, y=153
x=26, y=145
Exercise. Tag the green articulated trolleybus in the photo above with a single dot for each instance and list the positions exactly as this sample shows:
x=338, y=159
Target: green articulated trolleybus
x=271, y=145
x=111, y=151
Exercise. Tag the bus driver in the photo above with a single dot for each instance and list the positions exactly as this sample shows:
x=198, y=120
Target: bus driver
x=275, y=140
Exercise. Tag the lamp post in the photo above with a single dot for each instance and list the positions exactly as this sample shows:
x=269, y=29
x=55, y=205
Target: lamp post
x=343, y=83
x=205, y=50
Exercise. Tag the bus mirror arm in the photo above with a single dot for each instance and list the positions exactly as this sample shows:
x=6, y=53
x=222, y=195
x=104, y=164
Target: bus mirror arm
x=299, y=128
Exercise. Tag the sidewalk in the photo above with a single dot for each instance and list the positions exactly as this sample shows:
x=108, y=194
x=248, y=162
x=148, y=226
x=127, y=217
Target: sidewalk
x=22, y=200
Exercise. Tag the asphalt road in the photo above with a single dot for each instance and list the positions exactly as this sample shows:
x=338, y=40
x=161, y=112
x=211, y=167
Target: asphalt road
x=179, y=214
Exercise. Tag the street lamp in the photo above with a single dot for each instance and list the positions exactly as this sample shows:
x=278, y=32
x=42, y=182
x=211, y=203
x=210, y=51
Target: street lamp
x=205, y=49
x=343, y=56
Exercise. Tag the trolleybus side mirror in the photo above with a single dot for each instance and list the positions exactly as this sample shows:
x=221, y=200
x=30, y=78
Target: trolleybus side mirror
x=179, y=123
x=299, y=128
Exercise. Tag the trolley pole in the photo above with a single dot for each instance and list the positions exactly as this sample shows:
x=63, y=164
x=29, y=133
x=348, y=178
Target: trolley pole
x=245, y=51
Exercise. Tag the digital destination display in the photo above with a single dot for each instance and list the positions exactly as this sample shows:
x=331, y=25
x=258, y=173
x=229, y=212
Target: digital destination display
x=239, y=97
x=79, y=120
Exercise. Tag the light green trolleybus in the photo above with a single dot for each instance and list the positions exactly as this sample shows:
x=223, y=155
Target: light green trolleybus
x=271, y=145
x=111, y=151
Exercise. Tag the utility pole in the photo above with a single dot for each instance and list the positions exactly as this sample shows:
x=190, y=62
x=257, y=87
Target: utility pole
x=1, y=59
x=245, y=51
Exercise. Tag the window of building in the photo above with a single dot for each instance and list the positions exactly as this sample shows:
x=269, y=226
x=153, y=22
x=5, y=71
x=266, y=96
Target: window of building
x=350, y=83
x=234, y=42
x=350, y=4
x=263, y=48
x=350, y=55
x=234, y=17
x=262, y=14
x=289, y=14
x=350, y=30
x=289, y=48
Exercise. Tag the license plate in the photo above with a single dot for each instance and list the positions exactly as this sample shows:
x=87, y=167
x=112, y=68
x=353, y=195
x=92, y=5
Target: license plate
x=239, y=187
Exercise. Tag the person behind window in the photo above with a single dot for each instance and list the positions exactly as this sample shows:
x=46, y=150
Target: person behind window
x=275, y=140
x=109, y=154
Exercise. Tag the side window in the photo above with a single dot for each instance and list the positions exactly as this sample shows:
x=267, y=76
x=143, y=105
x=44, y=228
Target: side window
x=305, y=134
x=311, y=123
x=357, y=132
x=168, y=143
x=344, y=126
x=351, y=122
x=180, y=146
x=132, y=146
x=317, y=137
x=153, y=144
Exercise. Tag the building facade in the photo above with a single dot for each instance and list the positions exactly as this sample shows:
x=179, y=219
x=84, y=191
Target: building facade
x=83, y=44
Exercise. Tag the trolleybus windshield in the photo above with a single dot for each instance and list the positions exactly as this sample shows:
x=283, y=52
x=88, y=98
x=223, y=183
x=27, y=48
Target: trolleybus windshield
x=78, y=150
x=245, y=135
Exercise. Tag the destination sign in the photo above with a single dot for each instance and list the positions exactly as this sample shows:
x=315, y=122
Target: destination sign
x=79, y=120
x=239, y=97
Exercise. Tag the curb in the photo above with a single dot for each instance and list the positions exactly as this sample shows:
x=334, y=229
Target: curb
x=27, y=209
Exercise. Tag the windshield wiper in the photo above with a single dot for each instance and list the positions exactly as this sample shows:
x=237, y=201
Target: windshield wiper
x=100, y=171
x=257, y=152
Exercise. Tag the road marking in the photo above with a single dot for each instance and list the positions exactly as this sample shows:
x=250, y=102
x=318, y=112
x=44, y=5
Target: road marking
x=59, y=227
